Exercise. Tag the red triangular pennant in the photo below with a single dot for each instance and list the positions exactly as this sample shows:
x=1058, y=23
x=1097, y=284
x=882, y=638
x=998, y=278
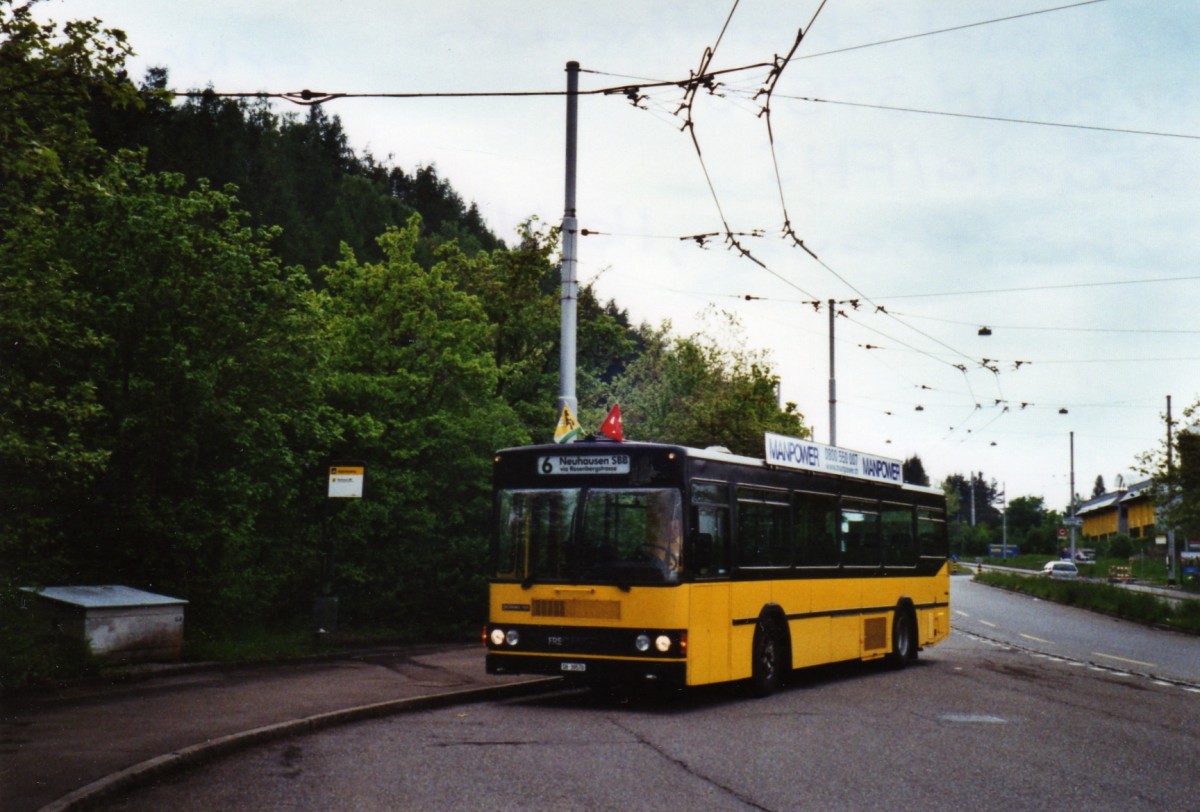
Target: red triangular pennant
x=612, y=424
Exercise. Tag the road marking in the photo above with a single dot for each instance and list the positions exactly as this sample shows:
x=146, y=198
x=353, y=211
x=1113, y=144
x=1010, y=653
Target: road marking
x=976, y=718
x=1036, y=639
x=989, y=625
x=1123, y=659
x=961, y=612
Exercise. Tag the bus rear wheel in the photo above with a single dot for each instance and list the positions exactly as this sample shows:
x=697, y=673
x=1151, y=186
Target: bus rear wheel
x=766, y=672
x=904, y=639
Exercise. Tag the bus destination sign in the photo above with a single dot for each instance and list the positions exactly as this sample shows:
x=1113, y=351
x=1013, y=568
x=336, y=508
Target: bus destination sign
x=792, y=452
x=584, y=464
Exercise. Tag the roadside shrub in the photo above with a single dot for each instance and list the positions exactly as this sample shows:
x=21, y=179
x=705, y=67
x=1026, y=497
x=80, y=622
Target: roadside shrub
x=1120, y=546
x=34, y=655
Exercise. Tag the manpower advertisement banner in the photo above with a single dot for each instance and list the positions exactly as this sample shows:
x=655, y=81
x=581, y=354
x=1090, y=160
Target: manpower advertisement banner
x=792, y=452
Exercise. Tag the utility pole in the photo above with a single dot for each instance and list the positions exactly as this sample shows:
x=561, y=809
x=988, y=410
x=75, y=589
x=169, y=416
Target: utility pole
x=1072, y=521
x=1170, y=497
x=570, y=235
x=832, y=381
x=1004, y=520
x=972, y=484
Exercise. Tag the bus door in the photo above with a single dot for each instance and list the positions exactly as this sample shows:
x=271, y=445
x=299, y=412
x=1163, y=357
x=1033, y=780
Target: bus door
x=709, y=611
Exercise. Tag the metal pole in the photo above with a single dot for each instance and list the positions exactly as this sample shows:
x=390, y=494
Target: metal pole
x=1072, y=496
x=570, y=234
x=1171, y=496
x=972, y=499
x=1003, y=499
x=832, y=382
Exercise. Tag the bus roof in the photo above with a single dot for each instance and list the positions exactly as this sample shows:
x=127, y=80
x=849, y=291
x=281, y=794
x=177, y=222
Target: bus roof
x=716, y=453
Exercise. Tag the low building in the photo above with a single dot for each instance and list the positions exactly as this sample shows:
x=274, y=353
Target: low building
x=118, y=622
x=1129, y=510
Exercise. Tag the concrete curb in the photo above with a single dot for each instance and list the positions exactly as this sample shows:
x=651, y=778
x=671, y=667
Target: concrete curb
x=144, y=772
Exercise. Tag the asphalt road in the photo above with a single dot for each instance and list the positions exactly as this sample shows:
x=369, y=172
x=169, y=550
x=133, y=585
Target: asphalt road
x=976, y=724
x=1063, y=631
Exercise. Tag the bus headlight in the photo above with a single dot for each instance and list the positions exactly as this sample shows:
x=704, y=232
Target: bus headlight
x=512, y=637
x=497, y=637
x=662, y=643
x=642, y=643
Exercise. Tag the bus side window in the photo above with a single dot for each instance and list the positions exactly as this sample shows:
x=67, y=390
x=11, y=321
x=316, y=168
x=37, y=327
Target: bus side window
x=710, y=528
x=931, y=531
x=860, y=534
x=899, y=544
x=710, y=536
x=761, y=529
x=814, y=523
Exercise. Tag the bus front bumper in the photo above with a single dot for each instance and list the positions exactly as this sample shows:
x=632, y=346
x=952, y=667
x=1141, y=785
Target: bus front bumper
x=667, y=673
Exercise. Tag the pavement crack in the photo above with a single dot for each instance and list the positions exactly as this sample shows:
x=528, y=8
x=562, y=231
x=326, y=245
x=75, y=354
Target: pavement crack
x=491, y=743
x=687, y=768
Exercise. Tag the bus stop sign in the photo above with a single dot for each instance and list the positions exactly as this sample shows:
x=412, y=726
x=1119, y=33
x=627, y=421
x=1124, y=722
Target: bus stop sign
x=346, y=481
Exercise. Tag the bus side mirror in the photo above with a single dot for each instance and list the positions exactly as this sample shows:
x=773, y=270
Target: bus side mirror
x=702, y=551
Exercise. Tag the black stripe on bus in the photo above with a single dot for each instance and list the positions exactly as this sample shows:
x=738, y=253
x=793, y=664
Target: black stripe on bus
x=842, y=613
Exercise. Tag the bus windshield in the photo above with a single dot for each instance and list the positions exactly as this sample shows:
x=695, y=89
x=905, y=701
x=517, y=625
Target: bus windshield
x=623, y=536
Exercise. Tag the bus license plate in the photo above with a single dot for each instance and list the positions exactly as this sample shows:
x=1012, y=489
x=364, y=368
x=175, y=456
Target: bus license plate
x=574, y=666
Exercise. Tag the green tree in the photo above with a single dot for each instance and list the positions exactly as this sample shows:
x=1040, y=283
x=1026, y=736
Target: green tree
x=520, y=291
x=700, y=391
x=515, y=289
x=1025, y=513
x=1183, y=511
x=208, y=382
x=984, y=493
x=413, y=392
x=975, y=540
x=49, y=163
x=159, y=362
x=201, y=373
x=1176, y=476
x=914, y=471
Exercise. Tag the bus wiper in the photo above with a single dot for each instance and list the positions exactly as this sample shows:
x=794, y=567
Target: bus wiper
x=528, y=582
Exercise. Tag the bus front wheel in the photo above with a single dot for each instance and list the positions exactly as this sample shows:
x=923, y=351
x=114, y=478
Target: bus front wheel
x=766, y=673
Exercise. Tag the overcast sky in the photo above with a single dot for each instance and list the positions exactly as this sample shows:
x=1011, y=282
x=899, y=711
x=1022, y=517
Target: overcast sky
x=1078, y=246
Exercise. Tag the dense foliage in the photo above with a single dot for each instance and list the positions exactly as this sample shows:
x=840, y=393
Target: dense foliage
x=203, y=304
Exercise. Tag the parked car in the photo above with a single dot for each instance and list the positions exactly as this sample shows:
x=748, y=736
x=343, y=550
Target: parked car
x=1060, y=569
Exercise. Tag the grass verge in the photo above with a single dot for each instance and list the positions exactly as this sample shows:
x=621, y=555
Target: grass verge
x=1140, y=607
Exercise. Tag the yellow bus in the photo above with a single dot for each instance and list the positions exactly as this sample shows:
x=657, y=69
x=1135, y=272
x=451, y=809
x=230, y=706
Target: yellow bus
x=652, y=563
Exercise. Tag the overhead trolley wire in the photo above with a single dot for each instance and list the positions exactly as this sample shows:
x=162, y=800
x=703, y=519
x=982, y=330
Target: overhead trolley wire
x=963, y=27
x=1003, y=119
x=1054, y=328
x=1042, y=287
x=765, y=114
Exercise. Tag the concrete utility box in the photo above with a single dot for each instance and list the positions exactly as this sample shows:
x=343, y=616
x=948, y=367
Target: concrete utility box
x=118, y=622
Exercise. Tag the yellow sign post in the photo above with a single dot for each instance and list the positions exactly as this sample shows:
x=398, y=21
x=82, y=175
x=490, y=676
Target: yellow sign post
x=344, y=482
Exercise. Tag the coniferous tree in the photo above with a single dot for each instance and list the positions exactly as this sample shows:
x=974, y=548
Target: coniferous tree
x=914, y=471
